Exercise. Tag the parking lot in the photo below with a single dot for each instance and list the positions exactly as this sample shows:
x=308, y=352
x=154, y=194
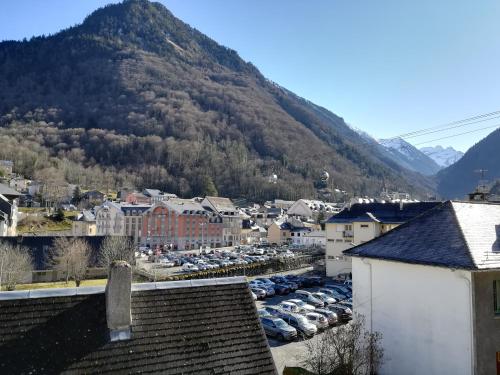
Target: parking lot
x=289, y=353
x=170, y=263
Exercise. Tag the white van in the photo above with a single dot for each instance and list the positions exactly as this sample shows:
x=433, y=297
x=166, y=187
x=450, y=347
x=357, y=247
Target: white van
x=189, y=267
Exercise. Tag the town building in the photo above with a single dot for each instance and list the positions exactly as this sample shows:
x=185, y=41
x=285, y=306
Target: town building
x=181, y=327
x=84, y=224
x=312, y=210
x=6, y=167
x=92, y=198
x=231, y=219
x=110, y=220
x=8, y=211
x=182, y=224
x=156, y=195
x=136, y=197
x=431, y=287
x=279, y=233
x=361, y=222
x=307, y=237
x=120, y=219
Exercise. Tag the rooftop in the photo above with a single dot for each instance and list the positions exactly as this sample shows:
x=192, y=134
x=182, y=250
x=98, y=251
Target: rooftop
x=390, y=213
x=462, y=235
x=186, y=327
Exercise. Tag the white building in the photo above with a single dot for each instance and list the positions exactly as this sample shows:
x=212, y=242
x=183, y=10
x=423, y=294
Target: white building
x=432, y=288
x=310, y=209
x=231, y=218
x=8, y=211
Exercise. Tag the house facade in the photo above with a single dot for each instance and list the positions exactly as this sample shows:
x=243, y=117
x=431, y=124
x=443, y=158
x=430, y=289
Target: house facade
x=84, y=224
x=110, y=220
x=306, y=209
x=432, y=288
x=181, y=224
x=279, y=233
x=8, y=211
x=230, y=216
x=361, y=222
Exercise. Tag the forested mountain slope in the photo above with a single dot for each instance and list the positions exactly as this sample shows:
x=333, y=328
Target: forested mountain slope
x=134, y=96
x=462, y=177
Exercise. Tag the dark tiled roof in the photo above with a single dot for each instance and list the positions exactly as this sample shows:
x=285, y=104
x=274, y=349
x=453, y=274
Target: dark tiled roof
x=211, y=329
x=8, y=192
x=383, y=212
x=453, y=234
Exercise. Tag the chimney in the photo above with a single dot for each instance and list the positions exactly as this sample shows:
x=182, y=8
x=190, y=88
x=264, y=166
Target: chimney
x=118, y=300
x=401, y=204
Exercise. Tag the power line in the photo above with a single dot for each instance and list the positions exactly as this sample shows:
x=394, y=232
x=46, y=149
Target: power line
x=482, y=116
x=456, y=135
x=452, y=127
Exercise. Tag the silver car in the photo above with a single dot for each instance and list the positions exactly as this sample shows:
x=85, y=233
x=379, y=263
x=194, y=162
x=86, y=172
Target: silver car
x=276, y=327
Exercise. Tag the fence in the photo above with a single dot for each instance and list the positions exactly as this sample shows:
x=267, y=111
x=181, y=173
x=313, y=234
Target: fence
x=262, y=268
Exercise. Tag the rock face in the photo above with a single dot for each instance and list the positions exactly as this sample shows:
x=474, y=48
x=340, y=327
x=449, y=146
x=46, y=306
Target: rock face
x=408, y=156
x=444, y=157
x=155, y=103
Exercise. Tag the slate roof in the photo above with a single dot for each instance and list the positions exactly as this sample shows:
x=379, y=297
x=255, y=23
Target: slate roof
x=221, y=204
x=389, y=213
x=462, y=235
x=8, y=191
x=188, y=327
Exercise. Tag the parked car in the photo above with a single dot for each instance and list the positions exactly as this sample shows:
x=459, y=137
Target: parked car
x=189, y=267
x=305, y=307
x=300, y=323
x=309, y=298
x=318, y=320
x=327, y=300
x=260, y=293
x=347, y=302
x=254, y=296
x=263, y=313
x=344, y=313
x=273, y=310
x=276, y=327
x=334, y=294
x=281, y=280
x=289, y=307
x=281, y=289
x=329, y=315
x=339, y=288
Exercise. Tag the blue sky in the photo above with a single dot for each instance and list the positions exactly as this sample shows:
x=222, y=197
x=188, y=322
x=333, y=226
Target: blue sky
x=388, y=67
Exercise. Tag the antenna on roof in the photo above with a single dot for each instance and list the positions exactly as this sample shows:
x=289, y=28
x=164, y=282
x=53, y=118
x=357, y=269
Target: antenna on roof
x=482, y=182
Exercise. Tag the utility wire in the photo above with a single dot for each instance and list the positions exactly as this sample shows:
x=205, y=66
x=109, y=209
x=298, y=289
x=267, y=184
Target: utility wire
x=451, y=127
x=482, y=116
x=456, y=135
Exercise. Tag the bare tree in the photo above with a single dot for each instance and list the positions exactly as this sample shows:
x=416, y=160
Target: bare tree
x=349, y=350
x=15, y=262
x=116, y=248
x=71, y=256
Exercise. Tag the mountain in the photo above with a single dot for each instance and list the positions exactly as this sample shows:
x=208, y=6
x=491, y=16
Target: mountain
x=463, y=176
x=408, y=156
x=135, y=97
x=444, y=157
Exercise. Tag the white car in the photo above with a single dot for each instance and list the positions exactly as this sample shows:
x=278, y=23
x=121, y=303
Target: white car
x=302, y=305
x=324, y=297
x=318, y=320
x=289, y=307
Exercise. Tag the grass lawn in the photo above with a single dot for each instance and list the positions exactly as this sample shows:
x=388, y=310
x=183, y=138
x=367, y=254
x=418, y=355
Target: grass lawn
x=36, y=224
x=60, y=284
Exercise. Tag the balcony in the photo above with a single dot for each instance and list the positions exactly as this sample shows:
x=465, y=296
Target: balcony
x=348, y=234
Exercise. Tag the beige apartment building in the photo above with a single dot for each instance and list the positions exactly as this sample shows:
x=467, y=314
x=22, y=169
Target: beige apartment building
x=362, y=222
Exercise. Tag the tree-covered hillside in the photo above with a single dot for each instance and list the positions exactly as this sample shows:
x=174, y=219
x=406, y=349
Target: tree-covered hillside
x=137, y=97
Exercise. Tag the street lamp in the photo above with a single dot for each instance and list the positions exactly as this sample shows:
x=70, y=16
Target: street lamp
x=201, y=226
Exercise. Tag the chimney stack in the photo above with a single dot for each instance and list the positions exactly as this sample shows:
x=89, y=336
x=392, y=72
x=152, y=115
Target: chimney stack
x=118, y=300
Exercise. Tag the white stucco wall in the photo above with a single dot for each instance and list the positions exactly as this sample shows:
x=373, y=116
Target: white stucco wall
x=422, y=312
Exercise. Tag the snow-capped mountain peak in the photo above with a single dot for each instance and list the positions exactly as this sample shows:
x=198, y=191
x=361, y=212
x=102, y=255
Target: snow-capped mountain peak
x=444, y=157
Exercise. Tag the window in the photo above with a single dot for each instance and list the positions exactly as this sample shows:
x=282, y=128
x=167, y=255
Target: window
x=364, y=225
x=496, y=297
x=348, y=227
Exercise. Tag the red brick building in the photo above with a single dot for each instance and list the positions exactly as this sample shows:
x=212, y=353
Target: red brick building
x=183, y=224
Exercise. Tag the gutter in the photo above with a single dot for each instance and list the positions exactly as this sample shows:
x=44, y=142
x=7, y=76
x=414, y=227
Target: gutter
x=365, y=261
x=471, y=325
